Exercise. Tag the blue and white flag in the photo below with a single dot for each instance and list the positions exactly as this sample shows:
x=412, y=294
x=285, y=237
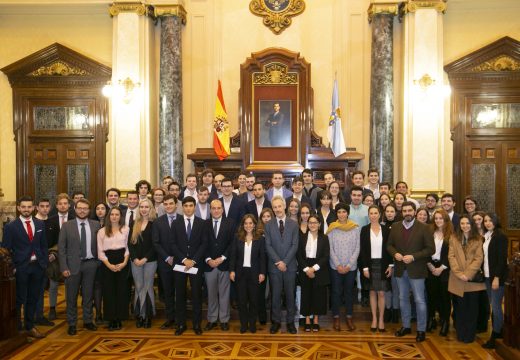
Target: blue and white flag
x=335, y=133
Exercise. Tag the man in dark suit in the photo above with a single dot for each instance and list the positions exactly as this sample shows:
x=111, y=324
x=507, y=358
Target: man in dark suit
x=277, y=125
x=231, y=203
x=220, y=232
x=411, y=245
x=202, y=208
x=207, y=181
x=448, y=204
x=162, y=235
x=255, y=206
x=248, y=195
x=278, y=187
x=297, y=188
x=281, y=243
x=25, y=238
x=190, y=189
x=113, y=197
x=77, y=253
x=189, y=247
x=130, y=213
x=310, y=189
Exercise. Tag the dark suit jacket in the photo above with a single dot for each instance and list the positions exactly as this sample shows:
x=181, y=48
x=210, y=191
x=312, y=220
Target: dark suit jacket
x=69, y=252
x=216, y=247
x=194, y=248
x=236, y=209
x=213, y=194
x=162, y=237
x=455, y=220
x=304, y=200
x=365, y=255
x=497, y=256
x=53, y=228
x=250, y=207
x=420, y=245
x=330, y=218
x=270, y=193
x=258, y=255
x=445, y=274
x=322, y=258
x=17, y=241
x=244, y=197
x=280, y=247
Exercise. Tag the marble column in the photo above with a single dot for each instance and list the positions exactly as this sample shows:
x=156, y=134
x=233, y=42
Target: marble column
x=381, y=17
x=171, y=154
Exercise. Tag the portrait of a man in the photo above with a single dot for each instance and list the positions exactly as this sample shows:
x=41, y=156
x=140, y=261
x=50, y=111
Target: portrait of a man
x=275, y=123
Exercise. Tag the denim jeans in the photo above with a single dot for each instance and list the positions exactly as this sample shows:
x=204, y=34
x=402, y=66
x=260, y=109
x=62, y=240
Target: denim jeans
x=495, y=299
x=418, y=289
x=342, y=284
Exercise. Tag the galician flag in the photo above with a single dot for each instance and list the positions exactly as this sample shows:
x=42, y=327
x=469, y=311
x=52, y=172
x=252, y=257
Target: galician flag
x=221, y=127
x=335, y=133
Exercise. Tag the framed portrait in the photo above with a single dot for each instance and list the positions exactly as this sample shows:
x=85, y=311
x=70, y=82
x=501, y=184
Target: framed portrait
x=275, y=122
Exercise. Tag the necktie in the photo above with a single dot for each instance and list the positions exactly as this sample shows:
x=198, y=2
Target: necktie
x=281, y=227
x=170, y=219
x=215, y=228
x=62, y=220
x=29, y=230
x=131, y=218
x=83, y=241
x=188, y=230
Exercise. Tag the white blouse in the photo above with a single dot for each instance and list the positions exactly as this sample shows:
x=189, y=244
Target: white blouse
x=487, y=240
x=247, y=254
x=376, y=244
x=311, y=249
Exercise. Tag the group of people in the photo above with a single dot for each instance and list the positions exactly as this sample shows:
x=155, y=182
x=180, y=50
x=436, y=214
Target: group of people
x=405, y=260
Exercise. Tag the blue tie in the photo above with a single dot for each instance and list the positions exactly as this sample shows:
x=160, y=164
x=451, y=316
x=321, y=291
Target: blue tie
x=188, y=230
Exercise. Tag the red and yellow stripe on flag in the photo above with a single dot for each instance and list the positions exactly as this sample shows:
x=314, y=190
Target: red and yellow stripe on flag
x=221, y=127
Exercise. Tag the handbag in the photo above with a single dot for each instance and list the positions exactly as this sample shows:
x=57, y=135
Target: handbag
x=479, y=277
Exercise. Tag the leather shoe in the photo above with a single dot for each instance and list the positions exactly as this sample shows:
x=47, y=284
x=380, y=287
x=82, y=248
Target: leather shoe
x=52, y=313
x=421, y=336
x=180, y=330
x=350, y=324
x=71, y=331
x=252, y=329
x=35, y=333
x=291, y=328
x=139, y=322
x=224, y=326
x=243, y=329
x=275, y=327
x=197, y=330
x=147, y=323
x=444, y=328
x=168, y=324
x=210, y=325
x=90, y=326
x=403, y=331
x=337, y=324
x=43, y=321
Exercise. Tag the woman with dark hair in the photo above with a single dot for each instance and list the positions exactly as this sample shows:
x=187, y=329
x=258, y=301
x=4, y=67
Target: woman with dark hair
x=465, y=256
x=344, y=251
x=423, y=215
x=495, y=273
x=313, y=260
x=293, y=209
x=335, y=192
x=391, y=296
x=305, y=212
x=99, y=214
x=398, y=201
x=478, y=219
x=247, y=268
x=470, y=205
x=438, y=297
x=368, y=200
x=265, y=216
x=377, y=265
x=113, y=251
x=383, y=200
x=483, y=299
x=143, y=264
x=325, y=212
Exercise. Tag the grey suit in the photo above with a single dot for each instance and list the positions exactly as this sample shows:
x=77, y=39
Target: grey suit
x=282, y=248
x=82, y=271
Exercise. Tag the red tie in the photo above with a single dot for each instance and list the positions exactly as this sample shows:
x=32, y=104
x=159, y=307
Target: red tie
x=29, y=230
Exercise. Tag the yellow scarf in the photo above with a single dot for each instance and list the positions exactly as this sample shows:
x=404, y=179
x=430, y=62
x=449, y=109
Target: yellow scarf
x=345, y=227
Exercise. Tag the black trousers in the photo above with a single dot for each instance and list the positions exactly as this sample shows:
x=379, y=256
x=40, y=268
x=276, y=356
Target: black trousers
x=466, y=310
x=29, y=280
x=438, y=298
x=166, y=276
x=181, y=280
x=115, y=288
x=248, y=288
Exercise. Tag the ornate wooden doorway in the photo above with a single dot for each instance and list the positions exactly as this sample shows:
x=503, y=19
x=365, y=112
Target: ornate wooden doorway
x=60, y=123
x=485, y=125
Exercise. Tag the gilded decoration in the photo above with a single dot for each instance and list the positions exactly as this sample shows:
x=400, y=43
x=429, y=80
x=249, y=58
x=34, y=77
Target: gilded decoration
x=385, y=8
x=128, y=7
x=498, y=64
x=413, y=6
x=170, y=10
x=275, y=74
x=277, y=13
x=58, y=68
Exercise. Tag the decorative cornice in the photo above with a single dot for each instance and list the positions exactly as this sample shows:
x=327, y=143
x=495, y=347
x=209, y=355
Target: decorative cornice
x=413, y=5
x=138, y=8
x=498, y=64
x=170, y=10
x=58, y=68
x=275, y=73
x=277, y=14
x=382, y=8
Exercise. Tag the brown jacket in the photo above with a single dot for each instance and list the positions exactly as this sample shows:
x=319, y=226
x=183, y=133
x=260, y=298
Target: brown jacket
x=466, y=262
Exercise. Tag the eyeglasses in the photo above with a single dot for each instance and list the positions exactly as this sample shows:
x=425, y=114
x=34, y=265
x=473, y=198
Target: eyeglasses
x=313, y=223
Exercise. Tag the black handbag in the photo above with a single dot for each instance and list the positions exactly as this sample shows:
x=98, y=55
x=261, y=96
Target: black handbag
x=479, y=277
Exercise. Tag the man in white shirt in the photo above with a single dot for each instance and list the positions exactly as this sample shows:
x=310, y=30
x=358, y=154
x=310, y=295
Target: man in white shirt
x=202, y=209
x=113, y=197
x=254, y=207
x=277, y=189
x=448, y=204
x=130, y=214
x=175, y=189
x=191, y=187
x=402, y=187
x=248, y=196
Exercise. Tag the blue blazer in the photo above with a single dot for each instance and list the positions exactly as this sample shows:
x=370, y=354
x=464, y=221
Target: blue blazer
x=17, y=241
x=280, y=247
x=269, y=193
x=250, y=207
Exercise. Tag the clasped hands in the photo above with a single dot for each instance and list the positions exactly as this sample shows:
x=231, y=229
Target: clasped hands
x=188, y=264
x=281, y=266
x=407, y=259
x=215, y=262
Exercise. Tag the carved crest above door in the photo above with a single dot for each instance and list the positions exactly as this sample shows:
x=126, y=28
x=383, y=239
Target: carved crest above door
x=277, y=14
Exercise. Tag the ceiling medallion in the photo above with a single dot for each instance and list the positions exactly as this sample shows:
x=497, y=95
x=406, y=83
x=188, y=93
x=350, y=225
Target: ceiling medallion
x=277, y=13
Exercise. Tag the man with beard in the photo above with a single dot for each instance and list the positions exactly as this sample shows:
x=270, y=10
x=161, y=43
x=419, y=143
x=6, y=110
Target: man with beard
x=248, y=195
x=254, y=207
x=411, y=245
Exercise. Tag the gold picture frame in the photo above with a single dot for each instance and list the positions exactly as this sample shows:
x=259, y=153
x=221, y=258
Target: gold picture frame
x=277, y=14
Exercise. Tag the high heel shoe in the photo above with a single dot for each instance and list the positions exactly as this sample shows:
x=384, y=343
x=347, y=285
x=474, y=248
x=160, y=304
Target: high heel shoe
x=373, y=329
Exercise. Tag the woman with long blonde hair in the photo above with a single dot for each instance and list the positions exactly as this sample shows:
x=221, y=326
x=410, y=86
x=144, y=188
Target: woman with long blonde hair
x=144, y=263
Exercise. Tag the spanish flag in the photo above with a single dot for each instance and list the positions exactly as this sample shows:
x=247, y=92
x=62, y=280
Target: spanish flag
x=221, y=127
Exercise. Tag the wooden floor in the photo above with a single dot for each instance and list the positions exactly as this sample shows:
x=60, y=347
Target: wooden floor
x=133, y=343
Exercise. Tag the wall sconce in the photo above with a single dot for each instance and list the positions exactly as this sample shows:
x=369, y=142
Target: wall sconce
x=424, y=82
x=427, y=85
x=125, y=89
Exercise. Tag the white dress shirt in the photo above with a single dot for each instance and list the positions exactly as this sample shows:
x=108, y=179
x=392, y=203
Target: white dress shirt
x=128, y=213
x=247, y=254
x=278, y=192
x=376, y=244
x=310, y=250
x=89, y=236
